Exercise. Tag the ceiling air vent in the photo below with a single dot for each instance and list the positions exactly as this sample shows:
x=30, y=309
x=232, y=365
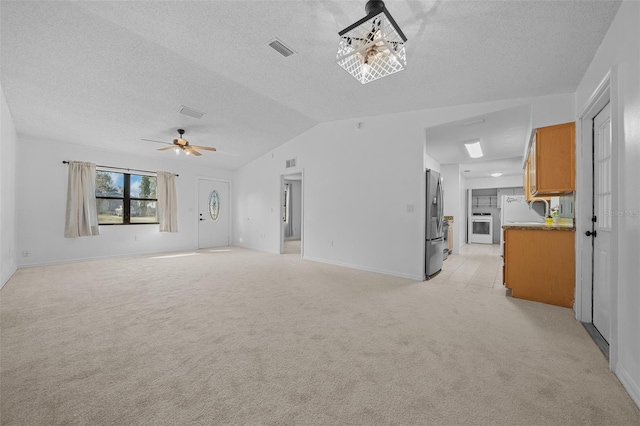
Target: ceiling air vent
x=281, y=48
x=191, y=112
x=291, y=163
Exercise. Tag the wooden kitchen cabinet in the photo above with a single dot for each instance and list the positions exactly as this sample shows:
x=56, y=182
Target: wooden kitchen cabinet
x=525, y=183
x=529, y=177
x=550, y=166
x=539, y=264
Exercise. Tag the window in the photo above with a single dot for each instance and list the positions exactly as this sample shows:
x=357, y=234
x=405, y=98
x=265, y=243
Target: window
x=214, y=205
x=125, y=199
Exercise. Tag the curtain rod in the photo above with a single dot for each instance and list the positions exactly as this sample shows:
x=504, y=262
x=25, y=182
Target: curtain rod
x=121, y=168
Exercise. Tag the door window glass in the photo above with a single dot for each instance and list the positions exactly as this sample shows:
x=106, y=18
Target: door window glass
x=214, y=205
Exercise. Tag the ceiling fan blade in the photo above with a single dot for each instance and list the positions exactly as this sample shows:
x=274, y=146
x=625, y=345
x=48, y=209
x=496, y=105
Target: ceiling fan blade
x=206, y=148
x=151, y=140
x=165, y=148
x=190, y=150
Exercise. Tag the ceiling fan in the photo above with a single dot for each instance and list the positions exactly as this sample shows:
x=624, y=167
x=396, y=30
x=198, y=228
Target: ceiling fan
x=179, y=144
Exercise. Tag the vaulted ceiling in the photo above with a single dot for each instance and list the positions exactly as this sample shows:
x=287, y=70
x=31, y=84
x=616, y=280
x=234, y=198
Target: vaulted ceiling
x=110, y=73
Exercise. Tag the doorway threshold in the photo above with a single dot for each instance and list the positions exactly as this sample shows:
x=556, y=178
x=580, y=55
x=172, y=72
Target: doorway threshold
x=597, y=338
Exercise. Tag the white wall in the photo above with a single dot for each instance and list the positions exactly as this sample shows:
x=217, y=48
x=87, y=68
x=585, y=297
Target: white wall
x=547, y=111
x=8, y=239
x=429, y=162
x=42, y=191
x=356, y=194
x=621, y=49
x=359, y=187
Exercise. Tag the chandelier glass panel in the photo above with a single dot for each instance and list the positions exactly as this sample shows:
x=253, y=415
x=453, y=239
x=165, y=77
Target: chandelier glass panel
x=373, y=47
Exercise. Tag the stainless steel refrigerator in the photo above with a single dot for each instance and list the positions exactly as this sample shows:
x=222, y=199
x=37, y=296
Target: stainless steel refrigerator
x=434, y=238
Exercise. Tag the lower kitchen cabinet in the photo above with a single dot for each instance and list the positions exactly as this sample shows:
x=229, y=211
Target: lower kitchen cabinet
x=539, y=264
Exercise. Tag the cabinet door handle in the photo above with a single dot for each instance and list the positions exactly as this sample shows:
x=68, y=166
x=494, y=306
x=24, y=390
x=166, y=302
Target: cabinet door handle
x=589, y=233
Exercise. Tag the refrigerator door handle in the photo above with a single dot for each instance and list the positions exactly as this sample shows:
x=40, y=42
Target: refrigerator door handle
x=439, y=196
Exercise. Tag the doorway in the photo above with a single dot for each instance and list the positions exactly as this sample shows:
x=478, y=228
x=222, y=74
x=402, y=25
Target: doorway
x=213, y=213
x=601, y=232
x=291, y=218
x=596, y=224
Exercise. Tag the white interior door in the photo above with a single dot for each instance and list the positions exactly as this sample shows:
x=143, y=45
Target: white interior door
x=602, y=226
x=213, y=213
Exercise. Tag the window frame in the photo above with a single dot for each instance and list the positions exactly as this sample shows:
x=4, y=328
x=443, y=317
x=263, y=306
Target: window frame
x=127, y=198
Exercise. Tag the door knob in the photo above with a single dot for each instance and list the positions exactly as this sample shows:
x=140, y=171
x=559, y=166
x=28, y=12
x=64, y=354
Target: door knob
x=589, y=233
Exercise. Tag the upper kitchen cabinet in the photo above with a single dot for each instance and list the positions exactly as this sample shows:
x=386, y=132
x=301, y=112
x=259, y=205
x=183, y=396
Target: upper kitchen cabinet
x=526, y=183
x=551, y=164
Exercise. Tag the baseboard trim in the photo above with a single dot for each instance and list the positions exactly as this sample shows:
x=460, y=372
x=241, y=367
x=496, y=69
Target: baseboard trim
x=114, y=256
x=365, y=268
x=8, y=277
x=633, y=388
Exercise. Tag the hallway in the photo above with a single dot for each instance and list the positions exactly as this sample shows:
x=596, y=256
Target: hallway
x=477, y=268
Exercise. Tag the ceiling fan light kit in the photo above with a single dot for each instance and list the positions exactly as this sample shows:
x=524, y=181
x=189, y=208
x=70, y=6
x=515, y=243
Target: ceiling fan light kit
x=372, y=47
x=182, y=145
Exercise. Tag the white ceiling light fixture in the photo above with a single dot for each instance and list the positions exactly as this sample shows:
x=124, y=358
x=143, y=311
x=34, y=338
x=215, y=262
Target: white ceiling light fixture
x=474, y=148
x=497, y=174
x=372, y=47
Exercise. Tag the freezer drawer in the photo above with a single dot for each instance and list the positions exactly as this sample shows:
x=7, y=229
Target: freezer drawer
x=433, y=256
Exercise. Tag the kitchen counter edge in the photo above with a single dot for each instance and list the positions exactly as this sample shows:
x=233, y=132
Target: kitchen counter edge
x=541, y=227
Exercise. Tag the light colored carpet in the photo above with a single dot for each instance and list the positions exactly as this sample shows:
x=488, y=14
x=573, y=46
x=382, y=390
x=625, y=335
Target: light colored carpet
x=233, y=336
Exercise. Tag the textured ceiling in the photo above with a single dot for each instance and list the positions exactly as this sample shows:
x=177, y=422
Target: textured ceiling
x=110, y=73
x=502, y=135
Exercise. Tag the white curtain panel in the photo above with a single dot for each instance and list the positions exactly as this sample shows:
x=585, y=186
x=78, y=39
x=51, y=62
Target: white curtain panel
x=288, y=226
x=82, y=215
x=167, y=202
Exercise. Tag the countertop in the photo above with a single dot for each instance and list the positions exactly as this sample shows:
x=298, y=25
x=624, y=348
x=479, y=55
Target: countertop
x=562, y=226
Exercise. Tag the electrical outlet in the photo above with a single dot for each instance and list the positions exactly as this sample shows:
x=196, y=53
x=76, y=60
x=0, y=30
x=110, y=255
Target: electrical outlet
x=331, y=243
x=136, y=237
x=26, y=253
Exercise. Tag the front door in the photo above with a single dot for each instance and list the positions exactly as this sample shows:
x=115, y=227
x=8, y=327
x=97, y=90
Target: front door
x=213, y=213
x=602, y=226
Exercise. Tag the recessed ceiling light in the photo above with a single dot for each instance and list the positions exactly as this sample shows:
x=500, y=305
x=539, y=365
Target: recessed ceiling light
x=473, y=148
x=496, y=174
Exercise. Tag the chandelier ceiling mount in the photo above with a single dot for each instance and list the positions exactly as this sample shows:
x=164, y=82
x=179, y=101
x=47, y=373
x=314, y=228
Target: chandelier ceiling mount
x=372, y=47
